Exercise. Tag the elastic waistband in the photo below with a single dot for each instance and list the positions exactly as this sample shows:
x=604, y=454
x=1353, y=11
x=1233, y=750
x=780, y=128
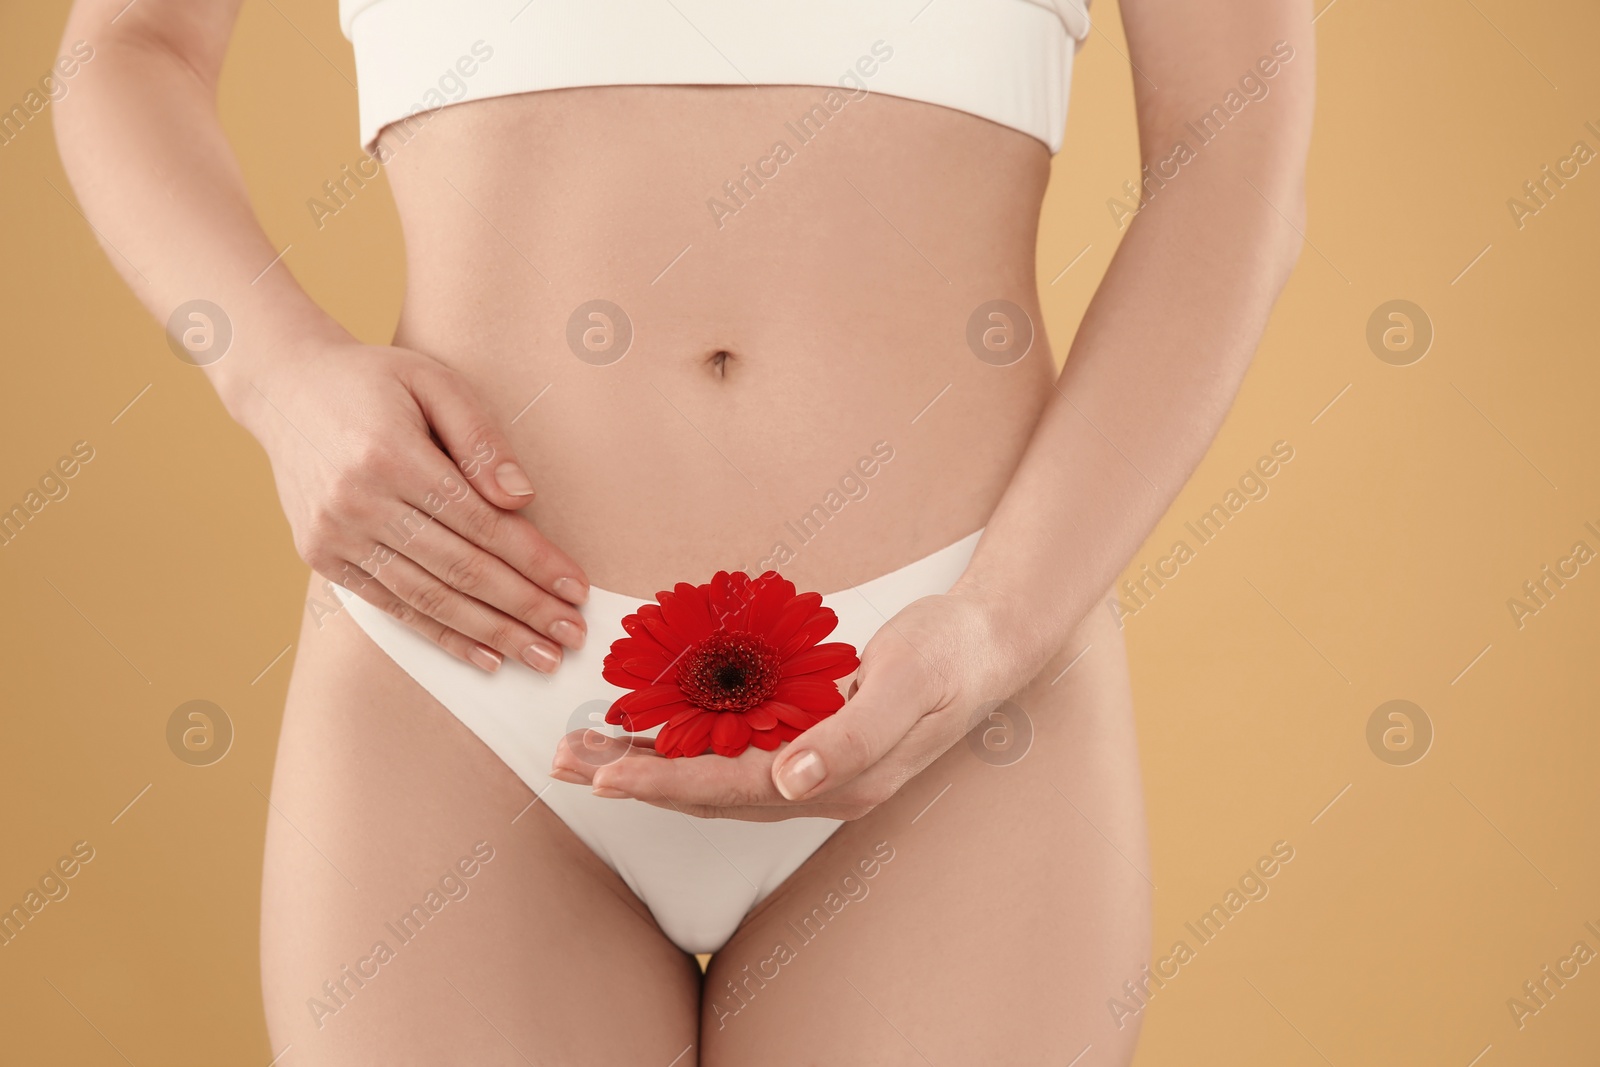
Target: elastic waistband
x=936, y=571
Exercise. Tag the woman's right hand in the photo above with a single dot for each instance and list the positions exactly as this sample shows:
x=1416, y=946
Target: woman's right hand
x=399, y=486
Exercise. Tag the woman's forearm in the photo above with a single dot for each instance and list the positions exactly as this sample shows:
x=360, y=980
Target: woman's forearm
x=1171, y=331
x=146, y=155
x=1149, y=380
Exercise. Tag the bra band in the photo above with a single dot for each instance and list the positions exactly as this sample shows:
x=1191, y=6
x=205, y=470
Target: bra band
x=1008, y=61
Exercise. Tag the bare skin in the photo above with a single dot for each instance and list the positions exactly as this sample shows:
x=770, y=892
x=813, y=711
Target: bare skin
x=1016, y=903
x=770, y=353
x=379, y=792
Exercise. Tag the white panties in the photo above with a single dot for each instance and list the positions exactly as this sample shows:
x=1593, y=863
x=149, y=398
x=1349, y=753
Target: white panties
x=699, y=877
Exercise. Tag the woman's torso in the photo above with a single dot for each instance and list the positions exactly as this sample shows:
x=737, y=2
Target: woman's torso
x=840, y=276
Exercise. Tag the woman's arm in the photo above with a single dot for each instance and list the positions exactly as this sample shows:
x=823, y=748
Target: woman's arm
x=145, y=152
x=1172, y=329
x=345, y=425
x=1150, y=377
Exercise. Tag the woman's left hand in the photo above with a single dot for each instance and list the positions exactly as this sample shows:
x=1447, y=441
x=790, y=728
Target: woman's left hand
x=923, y=682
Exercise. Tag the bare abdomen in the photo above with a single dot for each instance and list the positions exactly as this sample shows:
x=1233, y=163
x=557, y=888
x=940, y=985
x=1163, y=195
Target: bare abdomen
x=722, y=353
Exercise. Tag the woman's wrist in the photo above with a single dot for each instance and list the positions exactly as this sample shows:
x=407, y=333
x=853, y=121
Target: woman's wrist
x=1024, y=632
x=245, y=384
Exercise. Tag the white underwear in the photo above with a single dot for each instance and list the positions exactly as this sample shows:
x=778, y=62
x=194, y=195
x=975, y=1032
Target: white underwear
x=698, y=877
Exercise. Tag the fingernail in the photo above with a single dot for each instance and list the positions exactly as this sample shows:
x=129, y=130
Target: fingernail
x=487, y=658
x=561, y=774
x=568, y=633
x=513, y=480
x=610, y=793
x=541, y=659
x=800, y=774
x=570, y=589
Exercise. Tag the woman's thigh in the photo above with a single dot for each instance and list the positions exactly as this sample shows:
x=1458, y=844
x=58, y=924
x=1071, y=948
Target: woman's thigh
x=985, y=915
x=418, y=905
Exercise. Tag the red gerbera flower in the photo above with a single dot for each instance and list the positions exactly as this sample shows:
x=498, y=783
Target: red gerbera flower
x=728, y=664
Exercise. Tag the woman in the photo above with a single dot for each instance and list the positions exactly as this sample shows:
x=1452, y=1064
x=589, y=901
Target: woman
x=695, y=288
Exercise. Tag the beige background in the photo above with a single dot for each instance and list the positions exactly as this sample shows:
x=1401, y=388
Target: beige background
x=1379, y=567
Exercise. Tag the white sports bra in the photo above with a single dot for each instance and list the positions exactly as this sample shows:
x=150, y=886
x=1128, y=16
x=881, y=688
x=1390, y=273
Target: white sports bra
x=1009, y=61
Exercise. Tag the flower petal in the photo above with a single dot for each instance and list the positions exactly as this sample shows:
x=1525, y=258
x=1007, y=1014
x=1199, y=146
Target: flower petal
x=731, y=734
x=687, y=610
x=639, y=721
x=774, y=580
x=652, y=697
x=652, y=667
x=687, y=714
x=683, y=622
x=730, y=600
x=789, y=715
x=650, y=657
x=686, y=735
x=628, y=647
x=655, y=627
x=768, y=597
x=761, y=717
x=766, y=739
x=810, y=693
x=617, y=674
x=818, y=626
x=834, y=660
x=792, y=617
x=638, y=628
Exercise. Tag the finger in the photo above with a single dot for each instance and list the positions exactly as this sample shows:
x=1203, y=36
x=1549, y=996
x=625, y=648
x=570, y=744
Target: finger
x=489, y=579
x=485, y=625
x=507, y=535
x=708, y=781
x=707, y=787
x=829, y=806
x=454, y=642
x=893, y=692
x=471, y=436
x=582, y=752
x=636, y=775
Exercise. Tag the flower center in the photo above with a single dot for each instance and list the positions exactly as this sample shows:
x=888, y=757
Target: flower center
x=729, y=672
